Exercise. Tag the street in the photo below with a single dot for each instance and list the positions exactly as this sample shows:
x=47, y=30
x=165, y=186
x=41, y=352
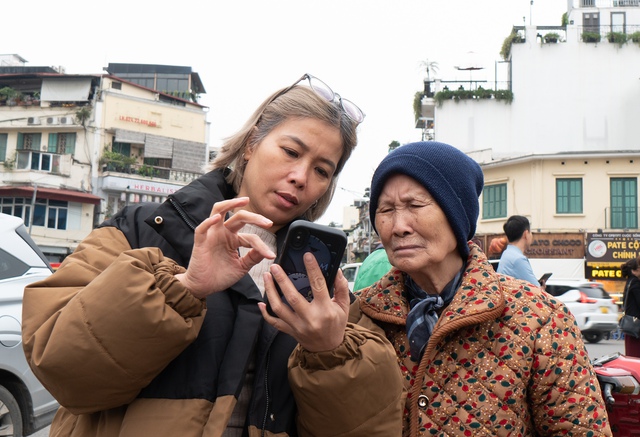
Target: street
x=596, y=350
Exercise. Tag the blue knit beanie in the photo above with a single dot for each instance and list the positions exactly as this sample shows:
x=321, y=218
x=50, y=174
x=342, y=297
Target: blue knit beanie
x=453, y=179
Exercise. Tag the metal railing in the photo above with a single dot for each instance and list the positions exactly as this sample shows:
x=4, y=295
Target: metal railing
x=605, y=3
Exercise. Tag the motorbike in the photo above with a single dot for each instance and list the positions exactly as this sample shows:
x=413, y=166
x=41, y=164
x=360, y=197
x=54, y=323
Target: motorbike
x=619, y=378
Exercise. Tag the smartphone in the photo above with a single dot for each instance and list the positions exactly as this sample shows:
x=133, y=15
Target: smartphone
x=325, y=243
x=544, y=278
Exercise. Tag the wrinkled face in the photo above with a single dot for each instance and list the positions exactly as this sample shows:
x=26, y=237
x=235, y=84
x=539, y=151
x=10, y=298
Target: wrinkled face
x=290, y=169
x=413, y=228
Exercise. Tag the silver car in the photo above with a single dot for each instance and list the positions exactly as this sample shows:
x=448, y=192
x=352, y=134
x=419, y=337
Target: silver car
x=25, y=405
x=593, y=308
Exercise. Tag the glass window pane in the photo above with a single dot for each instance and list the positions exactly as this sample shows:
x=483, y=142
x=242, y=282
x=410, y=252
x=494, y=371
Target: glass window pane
x=39, y=215
x=51, y=222
x=35, y=161
x=46, y=162
x=62, y=218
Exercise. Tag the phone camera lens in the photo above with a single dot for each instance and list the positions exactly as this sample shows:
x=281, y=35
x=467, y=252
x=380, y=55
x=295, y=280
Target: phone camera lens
x=299, y=240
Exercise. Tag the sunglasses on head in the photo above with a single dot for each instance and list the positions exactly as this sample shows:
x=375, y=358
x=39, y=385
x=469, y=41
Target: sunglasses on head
x=350, y=109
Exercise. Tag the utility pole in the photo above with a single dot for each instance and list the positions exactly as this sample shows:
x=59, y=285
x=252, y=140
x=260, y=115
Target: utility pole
x=33, y=207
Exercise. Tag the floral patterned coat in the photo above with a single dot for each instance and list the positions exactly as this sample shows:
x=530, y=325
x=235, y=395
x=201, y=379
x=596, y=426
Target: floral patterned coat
x=504, y=359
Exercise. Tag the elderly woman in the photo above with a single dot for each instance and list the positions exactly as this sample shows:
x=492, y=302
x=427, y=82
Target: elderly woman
x=481, y=353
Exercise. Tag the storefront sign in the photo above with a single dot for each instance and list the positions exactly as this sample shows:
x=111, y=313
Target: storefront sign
x=612, y=247
x=548, y=245
x=597, y=272
x=556, y=246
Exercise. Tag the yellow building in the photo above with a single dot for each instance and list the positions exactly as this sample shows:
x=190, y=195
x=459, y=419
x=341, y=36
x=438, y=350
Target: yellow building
x=76, y=148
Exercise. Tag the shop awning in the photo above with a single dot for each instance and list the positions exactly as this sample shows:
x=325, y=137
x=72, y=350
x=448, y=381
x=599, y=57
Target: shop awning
x=51, y=193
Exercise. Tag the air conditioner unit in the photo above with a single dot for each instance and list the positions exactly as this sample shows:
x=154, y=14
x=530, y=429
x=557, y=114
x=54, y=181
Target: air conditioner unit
x=33, y=120
x=52, y=120
x=66, y=120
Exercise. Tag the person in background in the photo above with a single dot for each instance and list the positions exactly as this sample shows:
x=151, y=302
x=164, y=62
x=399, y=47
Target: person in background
x=513, y=261
x=373, y=267
x=480, y=353
x=631, y=302
x=152, y=327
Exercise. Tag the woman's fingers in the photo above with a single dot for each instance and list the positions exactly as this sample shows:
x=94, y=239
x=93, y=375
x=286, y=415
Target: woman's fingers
x=319, y=286
x=259, y=249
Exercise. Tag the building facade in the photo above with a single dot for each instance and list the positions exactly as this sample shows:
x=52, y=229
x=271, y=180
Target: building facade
x=556, y=136
x=76, y=148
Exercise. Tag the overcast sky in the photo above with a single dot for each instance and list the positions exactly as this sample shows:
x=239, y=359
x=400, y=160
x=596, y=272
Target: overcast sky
x=368, y=51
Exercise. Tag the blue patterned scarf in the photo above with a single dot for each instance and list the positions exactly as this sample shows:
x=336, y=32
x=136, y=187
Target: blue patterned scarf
x=424, y=312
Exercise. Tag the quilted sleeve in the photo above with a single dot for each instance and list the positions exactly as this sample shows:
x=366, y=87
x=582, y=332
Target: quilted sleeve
x=354, y=390
x=107, y=322
x=564, y=393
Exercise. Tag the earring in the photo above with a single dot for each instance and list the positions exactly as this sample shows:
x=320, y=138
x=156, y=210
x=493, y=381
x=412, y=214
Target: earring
x=315, y=204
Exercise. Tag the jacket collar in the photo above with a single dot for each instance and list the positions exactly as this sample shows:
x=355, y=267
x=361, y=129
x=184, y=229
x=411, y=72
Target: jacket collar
x=478, y=297
x=176, y=219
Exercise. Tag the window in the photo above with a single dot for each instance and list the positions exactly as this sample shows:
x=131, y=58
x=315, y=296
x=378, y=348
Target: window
x=569, y=196
x=38, y=161
x=624, y=203
x=494, y=201
x=121, y=148
x=17, y=206
x=50, y=213
x=57, y=214
x=29, y=141
x=3, y=147
x=158, y=162
x=63, y=143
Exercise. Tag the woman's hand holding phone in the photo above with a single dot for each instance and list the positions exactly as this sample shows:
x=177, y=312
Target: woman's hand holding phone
x=318, y=325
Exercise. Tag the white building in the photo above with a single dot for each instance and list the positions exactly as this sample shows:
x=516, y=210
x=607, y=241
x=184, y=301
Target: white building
x=565, y=151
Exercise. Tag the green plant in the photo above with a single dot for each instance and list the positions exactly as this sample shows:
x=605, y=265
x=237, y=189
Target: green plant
x=417, y=105
x=591, y=36
x=506, y=95
x=619, y=38
x=9, y=163
x=116, y=161
x=565, y=20
x=480, y=93
x=147, y=170
x=635, y=37
x=513, y=38
x=551, y=37
x=83, y=114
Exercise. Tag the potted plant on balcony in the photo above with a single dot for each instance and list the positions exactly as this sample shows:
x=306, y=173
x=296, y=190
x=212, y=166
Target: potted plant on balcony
x=588, y=36
x=9, y=95
x=513, y=38
x=635, y=37
x=617, y=37
x=551, y=37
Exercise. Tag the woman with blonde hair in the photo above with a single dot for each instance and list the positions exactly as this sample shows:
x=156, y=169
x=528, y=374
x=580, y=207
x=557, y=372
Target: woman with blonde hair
x=152, y=327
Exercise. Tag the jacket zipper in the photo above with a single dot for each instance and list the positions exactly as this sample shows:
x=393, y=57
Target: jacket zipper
x=182, y=214
x=266, y=393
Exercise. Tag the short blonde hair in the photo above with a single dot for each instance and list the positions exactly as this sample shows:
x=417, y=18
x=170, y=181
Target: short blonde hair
x=285, y=104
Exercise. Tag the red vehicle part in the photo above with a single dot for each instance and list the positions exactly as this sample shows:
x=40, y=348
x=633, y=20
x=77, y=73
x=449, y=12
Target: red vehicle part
x=619, y=378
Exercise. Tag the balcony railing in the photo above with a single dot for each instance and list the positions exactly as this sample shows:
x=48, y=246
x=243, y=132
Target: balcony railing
x=605, y=3
x=152, y=172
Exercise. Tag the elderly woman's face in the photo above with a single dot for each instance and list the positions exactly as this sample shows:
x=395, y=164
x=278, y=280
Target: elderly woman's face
x=413, y=228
